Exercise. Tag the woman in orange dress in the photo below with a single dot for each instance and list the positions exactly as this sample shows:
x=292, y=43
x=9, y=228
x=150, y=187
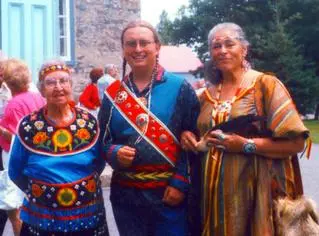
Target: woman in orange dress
x=246, y=168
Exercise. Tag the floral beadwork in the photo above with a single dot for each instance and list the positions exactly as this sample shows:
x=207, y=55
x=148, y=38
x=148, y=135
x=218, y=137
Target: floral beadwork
x=38, y=135
x=75, y=194
x=36, y=190
x=40, y=138
x=66, y=197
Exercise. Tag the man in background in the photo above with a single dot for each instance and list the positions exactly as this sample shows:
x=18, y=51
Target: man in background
x=111, y=74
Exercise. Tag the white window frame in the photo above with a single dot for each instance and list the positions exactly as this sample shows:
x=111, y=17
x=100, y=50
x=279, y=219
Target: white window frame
x=67, y=35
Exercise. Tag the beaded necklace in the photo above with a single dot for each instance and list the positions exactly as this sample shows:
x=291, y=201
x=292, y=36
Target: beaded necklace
x=221, y=110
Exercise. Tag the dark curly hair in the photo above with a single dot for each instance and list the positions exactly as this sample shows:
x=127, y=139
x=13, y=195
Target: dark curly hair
x=96, y=74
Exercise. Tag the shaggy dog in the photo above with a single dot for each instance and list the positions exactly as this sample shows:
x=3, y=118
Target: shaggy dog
x=296, y=217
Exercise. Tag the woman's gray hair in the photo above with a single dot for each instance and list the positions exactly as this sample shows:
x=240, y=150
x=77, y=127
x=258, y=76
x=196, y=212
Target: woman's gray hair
x=46, y=64
x=230, y=26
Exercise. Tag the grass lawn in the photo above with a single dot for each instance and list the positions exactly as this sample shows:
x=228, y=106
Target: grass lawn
x=313, y=126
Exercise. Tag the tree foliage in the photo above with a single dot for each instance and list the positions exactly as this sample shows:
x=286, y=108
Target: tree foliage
x=282, y=33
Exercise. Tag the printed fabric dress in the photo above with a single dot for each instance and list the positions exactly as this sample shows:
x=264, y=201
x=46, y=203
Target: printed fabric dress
x=237, y=189
x=58, y=168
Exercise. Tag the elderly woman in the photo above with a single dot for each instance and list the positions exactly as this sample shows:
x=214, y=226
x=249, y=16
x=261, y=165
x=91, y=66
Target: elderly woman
x=90, y=95
x=16, y=76
x=141, y=119
x=253, y=163
x=55, y=161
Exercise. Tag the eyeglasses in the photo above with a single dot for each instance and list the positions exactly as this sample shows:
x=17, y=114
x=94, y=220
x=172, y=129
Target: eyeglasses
x=52, y=83
x=134, y=43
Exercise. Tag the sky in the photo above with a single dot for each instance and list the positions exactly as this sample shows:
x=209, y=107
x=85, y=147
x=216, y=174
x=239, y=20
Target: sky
x=151, y=10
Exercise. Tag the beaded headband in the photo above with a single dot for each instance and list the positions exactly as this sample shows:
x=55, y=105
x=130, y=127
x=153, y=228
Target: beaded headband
x=47, y=70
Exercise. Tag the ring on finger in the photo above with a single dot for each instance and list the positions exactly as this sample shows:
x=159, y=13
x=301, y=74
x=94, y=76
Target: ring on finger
x=221, y=136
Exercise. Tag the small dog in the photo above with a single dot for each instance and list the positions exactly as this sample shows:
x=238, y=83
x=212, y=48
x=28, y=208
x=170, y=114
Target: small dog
x=296, y=217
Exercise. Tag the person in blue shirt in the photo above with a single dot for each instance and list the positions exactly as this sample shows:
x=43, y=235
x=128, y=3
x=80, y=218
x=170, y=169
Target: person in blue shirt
x=110, y=75
x=55, y=160
x=141, y=120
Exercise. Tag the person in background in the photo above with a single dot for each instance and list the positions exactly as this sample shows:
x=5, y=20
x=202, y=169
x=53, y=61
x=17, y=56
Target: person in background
x=90, y=95
x=247, y=167
x=141, y=119
x=5, y=96
x=17, y=76
x=111, y=74
x=55, y=160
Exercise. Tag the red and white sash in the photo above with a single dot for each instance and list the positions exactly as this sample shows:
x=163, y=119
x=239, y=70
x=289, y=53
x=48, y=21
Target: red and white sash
x=154, y=131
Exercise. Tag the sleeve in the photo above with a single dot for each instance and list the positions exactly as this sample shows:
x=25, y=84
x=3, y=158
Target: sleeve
x=10, y=121
x=85, y=98
x=17, y=163
x=189, y=104
x=99, y=161
x=108, y=149
x=283, y=118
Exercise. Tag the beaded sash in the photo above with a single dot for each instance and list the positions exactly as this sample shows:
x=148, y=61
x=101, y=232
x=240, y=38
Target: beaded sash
x=144, y=121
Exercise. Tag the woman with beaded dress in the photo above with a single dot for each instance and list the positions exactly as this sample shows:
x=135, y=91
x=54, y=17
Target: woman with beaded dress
x=141, y=119
x=56, y=161
x=244, y=168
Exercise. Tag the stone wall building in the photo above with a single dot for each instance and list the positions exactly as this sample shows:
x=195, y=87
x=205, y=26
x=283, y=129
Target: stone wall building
x=98, y=26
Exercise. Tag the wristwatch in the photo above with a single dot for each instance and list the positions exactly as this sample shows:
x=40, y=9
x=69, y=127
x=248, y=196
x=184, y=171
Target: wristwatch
x=249, y=147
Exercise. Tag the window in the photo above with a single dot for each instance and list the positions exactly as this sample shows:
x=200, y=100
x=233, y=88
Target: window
x=64, y=33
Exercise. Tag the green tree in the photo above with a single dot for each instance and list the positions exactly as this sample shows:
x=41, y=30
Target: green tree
x=164, y=28
x=269, y=27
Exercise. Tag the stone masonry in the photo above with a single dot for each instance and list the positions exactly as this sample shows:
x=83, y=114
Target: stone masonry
x=98, y=26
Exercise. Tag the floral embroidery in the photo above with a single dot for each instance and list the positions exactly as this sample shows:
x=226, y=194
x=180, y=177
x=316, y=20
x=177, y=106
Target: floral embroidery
x=81, y=122
x=66, y=197
x=90, y=125
x=61, y=139
x=83, y=134
x=40, y=138
x=91, y=186
x=36, y=190
x=27, y=128
x=39, y=125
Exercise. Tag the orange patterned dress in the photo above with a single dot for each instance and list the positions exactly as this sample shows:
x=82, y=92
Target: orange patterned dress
x=238, y=190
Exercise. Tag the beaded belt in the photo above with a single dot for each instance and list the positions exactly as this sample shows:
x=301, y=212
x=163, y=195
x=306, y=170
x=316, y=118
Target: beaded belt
x=76, y=194
x=143, y=179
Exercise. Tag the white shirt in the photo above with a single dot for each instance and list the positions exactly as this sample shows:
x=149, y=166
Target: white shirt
x=103, y=83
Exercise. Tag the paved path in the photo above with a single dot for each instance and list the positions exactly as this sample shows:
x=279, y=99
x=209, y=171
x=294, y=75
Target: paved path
x=310, y=174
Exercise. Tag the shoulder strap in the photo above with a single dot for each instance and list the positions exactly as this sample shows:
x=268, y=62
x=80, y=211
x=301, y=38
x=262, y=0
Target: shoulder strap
x=152, y=129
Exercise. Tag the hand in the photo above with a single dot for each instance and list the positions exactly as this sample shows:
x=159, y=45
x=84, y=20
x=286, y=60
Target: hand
x=226, y=141
x=172, y=196
x=125, y=156
x=188, y=141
